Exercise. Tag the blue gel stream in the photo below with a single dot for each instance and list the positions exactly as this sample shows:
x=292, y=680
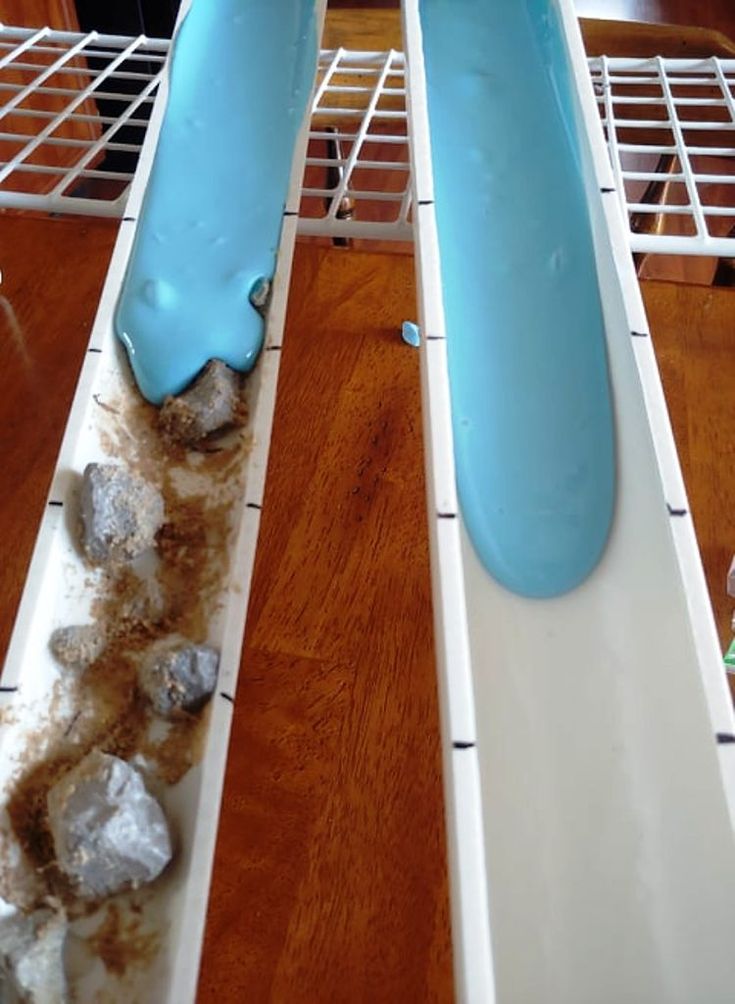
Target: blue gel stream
x=241, y=76
x=531, y=404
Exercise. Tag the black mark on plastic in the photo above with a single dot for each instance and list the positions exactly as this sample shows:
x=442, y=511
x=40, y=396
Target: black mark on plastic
x=94, y=350
x=426, y=202
x=607, y=191
x=639, y=334
x=253, y=505
x=8, y=690
x=227, y=697
x=676, y=512
x=725, y=737
x=129, y=219
x=105, y=407
x=273, y=348
x=435, y=338
x=290, y=212
x=446, y=515
x=463, y=746
x=55, y=502
x=72, y=723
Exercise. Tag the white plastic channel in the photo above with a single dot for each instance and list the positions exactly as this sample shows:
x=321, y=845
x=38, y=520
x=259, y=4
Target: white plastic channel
x=178, y=907
x=590, y=824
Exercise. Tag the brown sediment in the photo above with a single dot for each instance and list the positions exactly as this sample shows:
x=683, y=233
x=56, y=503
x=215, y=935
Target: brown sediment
x=109, y=712
x=121, y=941
x=181, y=748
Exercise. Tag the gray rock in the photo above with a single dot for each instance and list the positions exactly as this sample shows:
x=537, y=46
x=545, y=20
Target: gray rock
x=178, y=676
x=211, y=403
x=260, y=295
x=109, y=833
x=32, y=954
x=77, y=646
x=121, y=514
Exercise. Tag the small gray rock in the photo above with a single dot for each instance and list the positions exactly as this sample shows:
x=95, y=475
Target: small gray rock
x=260, y=295
x=178, y=676
x=121, y=514
x=211, y=403
x=77, y=646
x=109, y=833
x=31, y=954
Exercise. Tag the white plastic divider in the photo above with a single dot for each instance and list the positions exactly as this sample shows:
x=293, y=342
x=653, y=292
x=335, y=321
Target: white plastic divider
x=603, y=764
x=473, y=962
x=58, y=591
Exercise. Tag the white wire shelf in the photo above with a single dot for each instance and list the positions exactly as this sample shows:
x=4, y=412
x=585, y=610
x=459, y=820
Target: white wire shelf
x=74, y=113
x=670, y=129
x=75, y=108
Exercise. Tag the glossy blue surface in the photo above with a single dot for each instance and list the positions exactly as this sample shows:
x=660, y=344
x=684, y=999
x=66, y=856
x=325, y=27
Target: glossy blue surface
x=532, y=413
x=240, y=81
x=410, y=334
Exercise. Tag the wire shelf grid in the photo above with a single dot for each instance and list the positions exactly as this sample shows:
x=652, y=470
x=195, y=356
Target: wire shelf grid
x=670, y=129
x=74, y=109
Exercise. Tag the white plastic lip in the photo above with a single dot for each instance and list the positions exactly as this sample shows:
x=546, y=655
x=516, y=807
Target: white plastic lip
x=27, y=650
x=473, y=964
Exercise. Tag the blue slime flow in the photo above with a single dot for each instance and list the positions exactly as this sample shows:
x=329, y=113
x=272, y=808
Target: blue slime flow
x=531, y=404
x=240, y=79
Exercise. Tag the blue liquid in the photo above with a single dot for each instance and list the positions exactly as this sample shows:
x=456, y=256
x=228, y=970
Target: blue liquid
x=241, y=78
x=532, y=412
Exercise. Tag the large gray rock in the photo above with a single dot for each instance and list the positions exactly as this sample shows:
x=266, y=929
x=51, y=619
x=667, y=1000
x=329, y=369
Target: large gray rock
x=32, y=954
x=176, y=675
x=211, y=403
x=77, y=646
x=109, y=833
x=121, y=514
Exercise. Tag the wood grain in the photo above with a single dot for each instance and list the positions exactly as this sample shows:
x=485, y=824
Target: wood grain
x=330, y=882
x=635, y=38
x=52, y=273
x=693, y=335
x=59, y=14
x=717, y=14
x=369, y=28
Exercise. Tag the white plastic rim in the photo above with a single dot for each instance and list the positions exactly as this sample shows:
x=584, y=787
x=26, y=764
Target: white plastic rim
x=179, y=904
x=589, y=805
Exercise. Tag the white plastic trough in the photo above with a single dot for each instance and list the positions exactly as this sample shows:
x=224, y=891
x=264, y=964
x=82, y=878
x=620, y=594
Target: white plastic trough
x=57, y=592
x=589, y=804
